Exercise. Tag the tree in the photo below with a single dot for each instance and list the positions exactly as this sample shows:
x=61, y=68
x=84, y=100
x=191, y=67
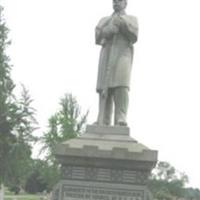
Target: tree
x=7, y=105
x=42, y=177
x=20, y=153
x=192, y=194
x=17, y=121
x=164, y=171
x=65, y=124
x=166, y=182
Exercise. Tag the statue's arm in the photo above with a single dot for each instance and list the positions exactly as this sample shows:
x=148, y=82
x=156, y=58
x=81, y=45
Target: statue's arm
x=104, y=30
x=129, y=27
x=99, y=37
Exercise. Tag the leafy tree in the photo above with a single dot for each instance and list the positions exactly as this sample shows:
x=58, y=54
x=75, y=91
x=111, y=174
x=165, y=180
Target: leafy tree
x=65, y=124
x=164, y=171
x=42, y=177
x=166, y=182
x=192, y=194
x=36, y=182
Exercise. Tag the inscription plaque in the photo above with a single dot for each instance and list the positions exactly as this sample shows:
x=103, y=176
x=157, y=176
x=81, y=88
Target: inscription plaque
x=75, y=190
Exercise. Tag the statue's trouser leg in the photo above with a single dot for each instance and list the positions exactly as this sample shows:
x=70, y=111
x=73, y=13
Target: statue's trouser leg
x=101, y=109
x=121, y=100
x=108, y=108
x=105, y=108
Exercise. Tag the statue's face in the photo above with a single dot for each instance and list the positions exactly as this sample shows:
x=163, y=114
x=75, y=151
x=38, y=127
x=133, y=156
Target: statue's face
x=119, y=5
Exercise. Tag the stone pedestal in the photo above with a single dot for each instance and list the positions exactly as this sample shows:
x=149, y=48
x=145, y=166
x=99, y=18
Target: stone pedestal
x=105, y=163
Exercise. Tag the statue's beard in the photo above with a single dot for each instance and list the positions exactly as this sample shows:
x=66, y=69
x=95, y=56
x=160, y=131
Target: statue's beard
x=118, y=8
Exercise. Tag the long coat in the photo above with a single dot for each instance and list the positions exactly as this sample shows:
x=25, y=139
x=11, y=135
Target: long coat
x=116, y=55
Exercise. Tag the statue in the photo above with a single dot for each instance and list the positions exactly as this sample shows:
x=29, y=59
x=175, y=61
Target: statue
x=116, y=34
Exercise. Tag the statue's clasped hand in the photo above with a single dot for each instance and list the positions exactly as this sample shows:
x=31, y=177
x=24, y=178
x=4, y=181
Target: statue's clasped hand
x=117, y=21
x=110, y=30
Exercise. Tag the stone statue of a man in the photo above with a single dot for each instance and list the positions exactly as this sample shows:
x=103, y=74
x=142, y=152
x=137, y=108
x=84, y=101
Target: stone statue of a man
x=116, y=34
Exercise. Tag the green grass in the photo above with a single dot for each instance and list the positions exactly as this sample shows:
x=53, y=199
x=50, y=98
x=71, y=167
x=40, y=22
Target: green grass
x=22, y=197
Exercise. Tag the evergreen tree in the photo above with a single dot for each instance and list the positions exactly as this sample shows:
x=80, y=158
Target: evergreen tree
x=17, y=121
x=20, y=153
x=7, y=105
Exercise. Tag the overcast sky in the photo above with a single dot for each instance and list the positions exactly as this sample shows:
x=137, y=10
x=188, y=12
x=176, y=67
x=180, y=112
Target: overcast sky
x=53, y=53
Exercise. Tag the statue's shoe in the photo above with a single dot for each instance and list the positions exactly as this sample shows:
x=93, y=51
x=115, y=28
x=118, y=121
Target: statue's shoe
x=121, y=123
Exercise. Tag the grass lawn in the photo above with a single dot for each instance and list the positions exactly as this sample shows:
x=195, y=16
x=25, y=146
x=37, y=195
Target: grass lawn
x=22, y=197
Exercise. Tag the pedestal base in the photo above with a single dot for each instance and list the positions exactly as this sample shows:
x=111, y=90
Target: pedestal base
x=104, y=164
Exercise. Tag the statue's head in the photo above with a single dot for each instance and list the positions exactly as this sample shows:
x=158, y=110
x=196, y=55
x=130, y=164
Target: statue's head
x=119, y=5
